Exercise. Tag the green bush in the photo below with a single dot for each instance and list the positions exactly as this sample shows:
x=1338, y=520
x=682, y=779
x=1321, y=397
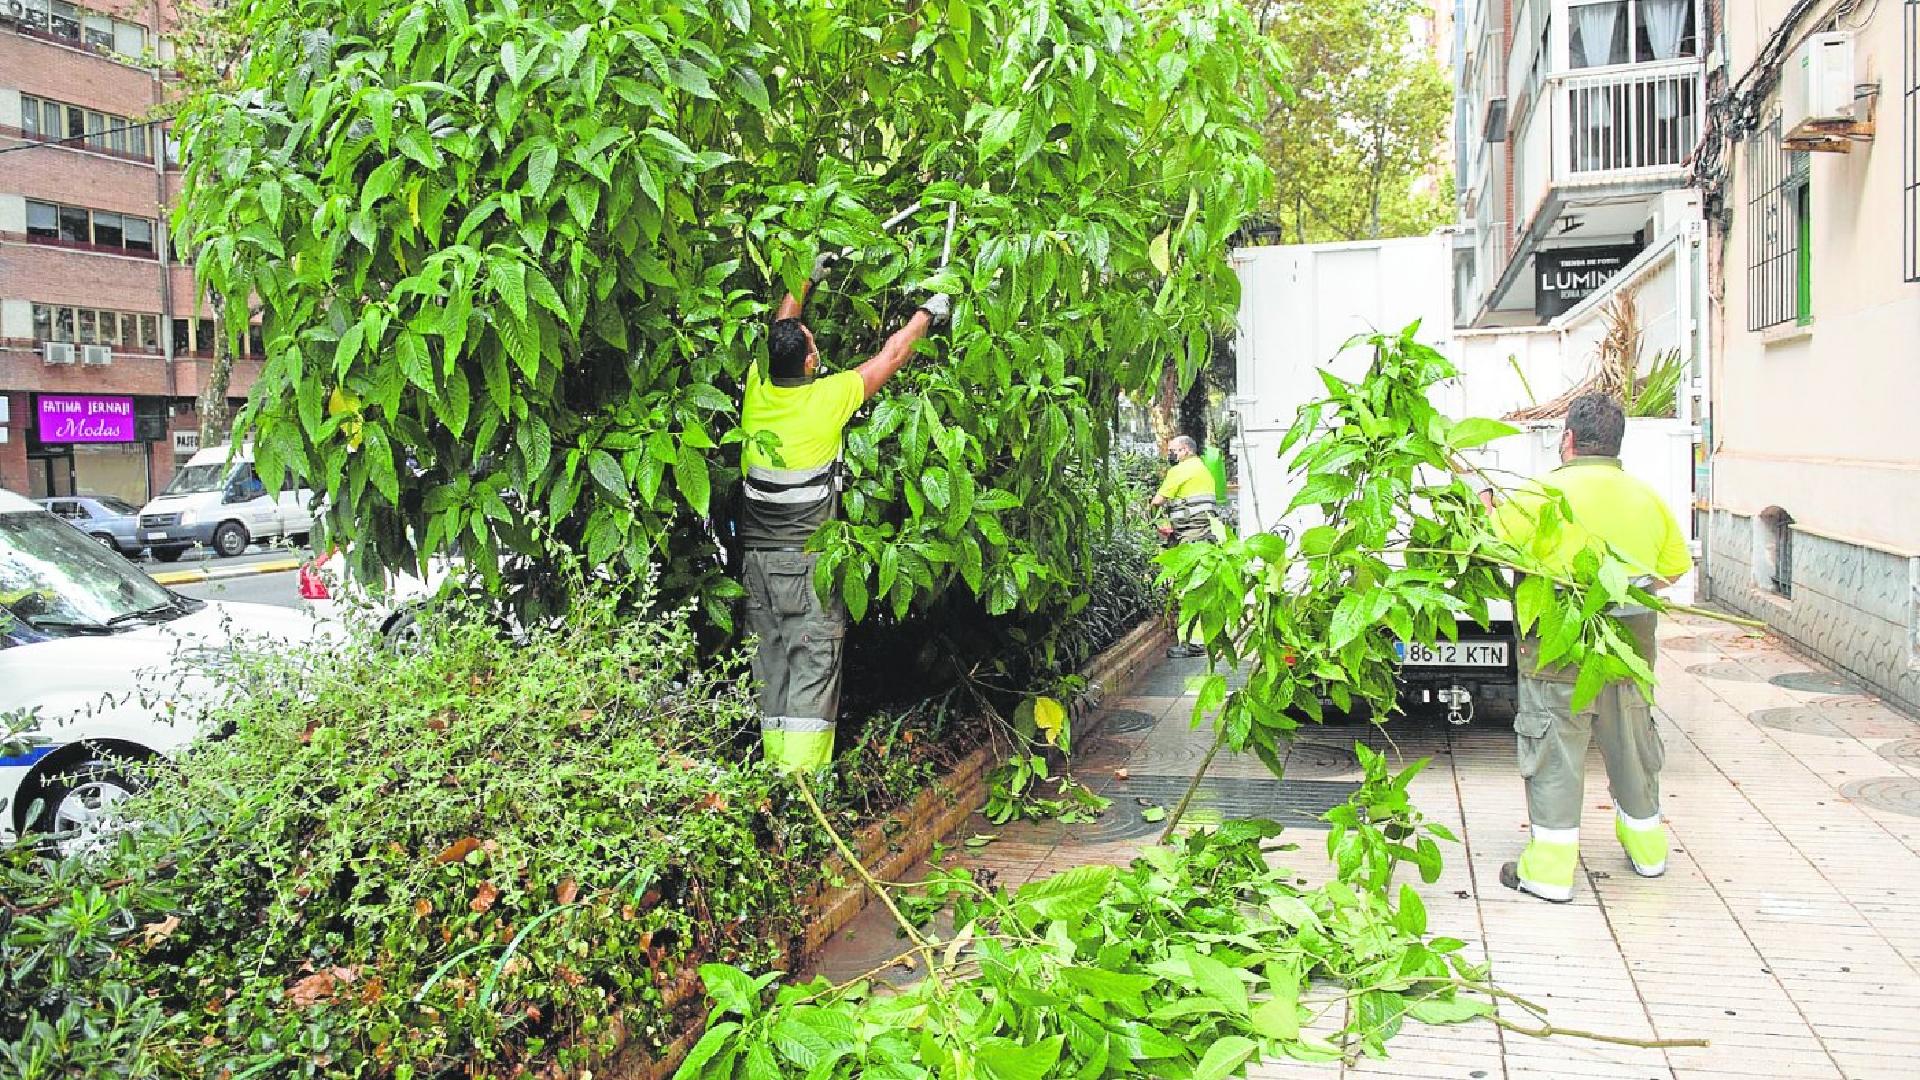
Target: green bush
x=472, y=856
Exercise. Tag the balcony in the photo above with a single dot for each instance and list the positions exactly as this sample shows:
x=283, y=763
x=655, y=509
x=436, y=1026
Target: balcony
x=1622, y=125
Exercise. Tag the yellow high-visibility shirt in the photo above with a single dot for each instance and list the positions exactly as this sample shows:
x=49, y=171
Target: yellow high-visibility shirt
x=1605, y=502
x=1188, y=477
x=809, y=417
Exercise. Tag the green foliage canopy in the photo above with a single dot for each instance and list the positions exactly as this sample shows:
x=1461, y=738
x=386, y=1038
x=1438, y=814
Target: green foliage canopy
x=533, y=246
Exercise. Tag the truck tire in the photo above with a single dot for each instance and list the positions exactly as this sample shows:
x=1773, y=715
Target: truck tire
x=230, y=539
x=169, y=554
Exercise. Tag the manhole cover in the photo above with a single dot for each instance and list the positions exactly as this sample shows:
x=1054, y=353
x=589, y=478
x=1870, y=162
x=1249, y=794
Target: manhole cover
x=1731, y=670
x=1319, y=760
x=1296, y=804
x=1858, y=718
x=1894, y=794
x=1121, y=721
x=1817, y=682
x=1905, y=752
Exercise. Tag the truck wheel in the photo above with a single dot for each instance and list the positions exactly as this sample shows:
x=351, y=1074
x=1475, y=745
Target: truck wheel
x=230, y=539
x=169, y=554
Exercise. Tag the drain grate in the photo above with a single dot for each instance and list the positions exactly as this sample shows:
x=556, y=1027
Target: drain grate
x=1319, y=760
x=1122, y=721
x=1816, y=682
x=1905, y=752
x=1730, y=670
x=1296, y=804
x=1844, y=718
x=1894, y=794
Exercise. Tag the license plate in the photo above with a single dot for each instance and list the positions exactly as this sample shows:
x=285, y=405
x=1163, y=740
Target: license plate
x=1452, y=654
x=156, y=536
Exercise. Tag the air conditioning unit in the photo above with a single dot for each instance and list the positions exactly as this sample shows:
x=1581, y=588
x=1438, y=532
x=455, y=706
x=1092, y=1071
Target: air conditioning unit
x=57, y=352
x=1816, y=87
x=97, y=355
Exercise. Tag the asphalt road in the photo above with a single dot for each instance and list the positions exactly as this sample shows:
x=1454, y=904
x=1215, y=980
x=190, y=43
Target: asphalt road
x=281, y=589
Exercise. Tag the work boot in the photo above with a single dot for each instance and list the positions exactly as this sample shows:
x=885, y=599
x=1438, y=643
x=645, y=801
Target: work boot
x=1184, y=652
x=1546, y=867
x=1645, y=840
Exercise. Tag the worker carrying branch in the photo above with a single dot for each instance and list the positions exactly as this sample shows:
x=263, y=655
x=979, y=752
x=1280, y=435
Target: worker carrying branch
x=1189, y=495
x=1606, y=504
x=789, y=491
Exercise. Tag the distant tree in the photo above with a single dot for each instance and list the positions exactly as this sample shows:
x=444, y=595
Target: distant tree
x=1357, y=148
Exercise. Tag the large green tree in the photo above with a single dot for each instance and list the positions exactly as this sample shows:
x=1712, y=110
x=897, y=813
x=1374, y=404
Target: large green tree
x=1357, y=148
x=533, y=247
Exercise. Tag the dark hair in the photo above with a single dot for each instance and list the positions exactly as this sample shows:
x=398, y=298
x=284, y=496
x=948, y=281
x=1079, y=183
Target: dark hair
x=1598, y=423
x=787, y=349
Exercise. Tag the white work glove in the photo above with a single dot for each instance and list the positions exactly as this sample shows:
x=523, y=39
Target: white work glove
x=822, y=263
x=939, y=308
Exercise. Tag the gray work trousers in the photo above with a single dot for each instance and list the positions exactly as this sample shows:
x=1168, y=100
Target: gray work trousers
x=800, y=638
x=1553, y=738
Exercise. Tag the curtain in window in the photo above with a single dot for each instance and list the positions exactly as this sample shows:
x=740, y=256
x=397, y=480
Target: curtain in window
x=1666, y=22
x=1597, y=24
x=1593, y=106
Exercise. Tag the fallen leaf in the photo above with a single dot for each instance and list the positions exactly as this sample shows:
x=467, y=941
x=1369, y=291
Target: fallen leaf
x=1154, y=813
x=422, y=908
x=981, y=840
x=1122, y=774
x=347, y=975
x=373, y=990
x=566, y=892
x=714, y=801
x=155, y=933
x=457, y=850
x=587, y=715
x=450, y=780
x=312, y=990
x=484, y=896
x=438, y=721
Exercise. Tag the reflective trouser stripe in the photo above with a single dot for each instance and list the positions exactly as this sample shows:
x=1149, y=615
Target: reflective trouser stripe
x=1547, y=867
x=809, y=724
x=1645, y=840
x=795, y=749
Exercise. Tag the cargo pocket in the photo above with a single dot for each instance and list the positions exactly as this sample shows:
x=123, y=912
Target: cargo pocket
x=1529, y=661
x=790, y=586
x=1646, y=732
x=1531, y=726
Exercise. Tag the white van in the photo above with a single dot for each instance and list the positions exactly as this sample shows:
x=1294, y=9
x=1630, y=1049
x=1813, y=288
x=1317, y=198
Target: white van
x=216, y=501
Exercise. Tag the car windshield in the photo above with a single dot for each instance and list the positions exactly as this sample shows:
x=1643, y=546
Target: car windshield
x=195, y=479
x=52, y=575
x=115, y=506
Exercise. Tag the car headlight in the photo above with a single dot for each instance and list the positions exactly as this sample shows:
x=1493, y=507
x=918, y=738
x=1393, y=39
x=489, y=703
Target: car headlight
x=186, y=517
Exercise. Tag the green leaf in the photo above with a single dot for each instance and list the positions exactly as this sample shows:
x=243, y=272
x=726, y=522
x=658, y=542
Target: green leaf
x=1004, y=1059
x=1154, y=814
x=998, y=130
x=731, y=989
x=540, y=169
x=1225, y=1057
x=1219, y=982
x=1478, y=431
x=270, y=201
x=1157, y=254
x=606, y=472
x=1453, y=1010
x=1533, y=596
x=1276, y=1019
x=1066, y=896
x=690, y=476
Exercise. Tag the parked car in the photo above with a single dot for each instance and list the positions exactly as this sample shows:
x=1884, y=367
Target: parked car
x=217, y=501
x=107, y=667
x=113, y=522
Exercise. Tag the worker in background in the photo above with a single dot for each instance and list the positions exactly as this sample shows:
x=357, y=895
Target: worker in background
x=788, y=491
x=1192, y=511
x=1629, y=516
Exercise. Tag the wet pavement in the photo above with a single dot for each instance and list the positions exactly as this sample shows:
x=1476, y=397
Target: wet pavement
x=1786, y=931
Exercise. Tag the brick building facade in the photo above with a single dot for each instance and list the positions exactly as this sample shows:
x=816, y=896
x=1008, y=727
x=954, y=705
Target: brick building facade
x=97, y=315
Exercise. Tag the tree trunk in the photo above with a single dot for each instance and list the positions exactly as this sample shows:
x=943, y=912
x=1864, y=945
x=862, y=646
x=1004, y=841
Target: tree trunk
x=213, y=389
x=1166, y=403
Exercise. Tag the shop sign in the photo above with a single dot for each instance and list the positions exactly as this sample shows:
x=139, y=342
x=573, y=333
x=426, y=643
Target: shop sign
x=186, y=442
x=1566, y=276
x=76, y=418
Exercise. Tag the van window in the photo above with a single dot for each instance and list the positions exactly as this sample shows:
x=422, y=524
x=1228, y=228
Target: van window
x=197, y=479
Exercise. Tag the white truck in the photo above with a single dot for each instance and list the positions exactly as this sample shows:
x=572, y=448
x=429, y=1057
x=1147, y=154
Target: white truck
x=1300, y=304
x=215, y=500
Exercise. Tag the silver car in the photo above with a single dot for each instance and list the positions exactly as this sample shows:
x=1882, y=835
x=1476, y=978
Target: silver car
x=111, y=521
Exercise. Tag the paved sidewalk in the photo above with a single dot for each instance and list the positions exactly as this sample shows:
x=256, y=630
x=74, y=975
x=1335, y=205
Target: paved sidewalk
x=1787, y=930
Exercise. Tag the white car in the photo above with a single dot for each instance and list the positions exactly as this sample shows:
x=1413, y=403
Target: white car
x=105, y=666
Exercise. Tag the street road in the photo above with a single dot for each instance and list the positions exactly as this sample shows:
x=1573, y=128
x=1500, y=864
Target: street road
x=281, y=589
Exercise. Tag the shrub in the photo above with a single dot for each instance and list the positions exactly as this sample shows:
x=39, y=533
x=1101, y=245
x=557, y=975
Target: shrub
x=472, y=856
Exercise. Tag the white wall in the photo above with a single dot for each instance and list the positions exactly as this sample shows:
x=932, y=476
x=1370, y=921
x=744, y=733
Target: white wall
x=1823, y=422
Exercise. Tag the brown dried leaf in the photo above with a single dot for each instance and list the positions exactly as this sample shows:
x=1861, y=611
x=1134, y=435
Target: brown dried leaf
x=484, y=896
x=457, y=850
x=373, y=990
x=1122, y=774
x=347, y=975
x=438, y=721
x=422, y=908
x=714, y=801
x=312, y=990
x=566, y=892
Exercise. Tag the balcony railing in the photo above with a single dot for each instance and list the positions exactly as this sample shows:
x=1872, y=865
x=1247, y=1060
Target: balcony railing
x=1626, y=122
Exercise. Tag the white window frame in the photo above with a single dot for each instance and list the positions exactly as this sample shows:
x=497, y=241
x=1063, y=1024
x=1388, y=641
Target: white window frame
x=1563, y=47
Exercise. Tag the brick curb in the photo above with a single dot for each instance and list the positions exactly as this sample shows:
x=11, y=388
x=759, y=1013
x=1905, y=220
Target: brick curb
x=189, y=577
x=891, y=847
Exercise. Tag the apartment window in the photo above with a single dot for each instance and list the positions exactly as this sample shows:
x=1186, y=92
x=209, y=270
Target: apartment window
x=97, y=31
x=1910, y=109
x=96, y=228
x=1607, y=32
x=85, y=127
x=1779, y=227
x=93, y=29
x=66, y=21
x=90, y=326
x=181, y=330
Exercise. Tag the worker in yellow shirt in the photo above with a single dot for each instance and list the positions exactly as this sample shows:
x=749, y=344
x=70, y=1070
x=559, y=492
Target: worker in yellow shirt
x=790, y=490
x=1188, y=495
x=1607, y=505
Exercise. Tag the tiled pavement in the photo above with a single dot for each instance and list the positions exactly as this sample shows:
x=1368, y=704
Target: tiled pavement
x=1786, y=932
